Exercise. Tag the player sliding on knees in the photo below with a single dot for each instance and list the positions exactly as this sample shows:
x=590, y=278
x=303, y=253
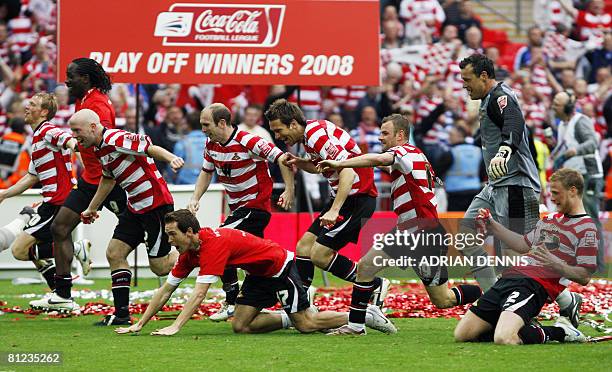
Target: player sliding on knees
x=272, y=277
x=561, y=248
x=414, y=202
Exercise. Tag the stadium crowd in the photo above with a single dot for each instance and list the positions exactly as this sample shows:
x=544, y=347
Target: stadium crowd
x=422, y=41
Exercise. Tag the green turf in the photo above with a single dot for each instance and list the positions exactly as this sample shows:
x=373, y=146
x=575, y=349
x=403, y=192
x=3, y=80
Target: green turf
x=421, y=344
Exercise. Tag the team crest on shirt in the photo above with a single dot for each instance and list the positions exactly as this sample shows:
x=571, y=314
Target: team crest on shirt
x=235, y=157
x=331, y=150
x=502, y=102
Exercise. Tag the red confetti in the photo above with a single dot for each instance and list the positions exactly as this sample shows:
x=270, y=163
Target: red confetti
x=407, y=300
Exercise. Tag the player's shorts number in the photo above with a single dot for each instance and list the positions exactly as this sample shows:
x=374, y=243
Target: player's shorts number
x=283, y=296
x=512, y=298
x=327, y=65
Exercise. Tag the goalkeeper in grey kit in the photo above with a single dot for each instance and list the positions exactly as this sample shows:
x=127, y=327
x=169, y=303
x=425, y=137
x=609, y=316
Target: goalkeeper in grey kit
x=512, y=193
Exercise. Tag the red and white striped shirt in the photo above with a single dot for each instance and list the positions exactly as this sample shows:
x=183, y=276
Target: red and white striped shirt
x=324, y=141
x=412, y=186
x=416, y=13
x=573, y=239
x=51, y=163
x=593, y=24
x=535, y=116
x=21, y=34
x=242, y=168
x=355, y=93
x=310, y=98
x=123, y=156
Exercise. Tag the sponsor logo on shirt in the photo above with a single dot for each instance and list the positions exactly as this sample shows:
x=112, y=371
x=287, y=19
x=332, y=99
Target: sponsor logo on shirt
x=185, y=24
x=331, y=150
x=502, y=102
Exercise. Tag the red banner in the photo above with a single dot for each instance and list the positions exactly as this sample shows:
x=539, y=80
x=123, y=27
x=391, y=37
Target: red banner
x=299, y=42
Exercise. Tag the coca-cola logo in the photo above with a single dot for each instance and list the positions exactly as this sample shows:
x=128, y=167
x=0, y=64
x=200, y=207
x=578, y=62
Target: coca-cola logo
x=221, y=25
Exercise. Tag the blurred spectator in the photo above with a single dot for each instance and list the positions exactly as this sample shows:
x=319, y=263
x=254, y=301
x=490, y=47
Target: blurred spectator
x=462, y=167
x=167, y=133
x=600, y=58
x=14, y=154
x=548, y=14
x=501, y=73
x=191, y=149
x=590, y=22
x=366, y=134
x=64, y=110
x=391, y=35
x=390, y=14
x=465, y=20
x=252, y=123
x=473, y=43
x=535, y=35
x=162, y=100
x=337, y=120
x=423, y=19
x=376, y=98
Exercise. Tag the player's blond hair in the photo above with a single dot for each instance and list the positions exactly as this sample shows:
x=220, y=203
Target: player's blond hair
x=47, y=102
x=568, y=178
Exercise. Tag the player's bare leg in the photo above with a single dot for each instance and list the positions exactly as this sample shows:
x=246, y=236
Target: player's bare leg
x=63, y=224
x=249, y=319
x=303, y=262
x=507, y=329
x=308, y=321
x=471, y=327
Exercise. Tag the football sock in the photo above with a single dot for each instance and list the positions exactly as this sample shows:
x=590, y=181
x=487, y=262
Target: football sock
x=342, y=267
x=466, y=293
x=533, y=334
x=48, y=272
x=121, y=292
x=230, y=285
x=362, y=291
x=306, y=269
x=63, y=284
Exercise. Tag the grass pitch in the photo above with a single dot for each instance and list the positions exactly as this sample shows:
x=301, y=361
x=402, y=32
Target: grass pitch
x=421, y=344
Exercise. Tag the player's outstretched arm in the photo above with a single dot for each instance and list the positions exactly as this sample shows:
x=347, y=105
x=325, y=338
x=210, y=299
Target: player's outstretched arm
x=161, y=296
x=161, y=154
x=361, y=161
x=196, y=298
x=201, y=186
x=285, y=201
x=19, y=187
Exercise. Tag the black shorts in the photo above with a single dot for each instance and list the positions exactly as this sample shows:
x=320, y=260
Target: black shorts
x=253, y=221
x=523, y=296
x=424, y=256
x=40, y=223
x=148, y=228
x=260, y=292
x=79, y=198
x=355, y=210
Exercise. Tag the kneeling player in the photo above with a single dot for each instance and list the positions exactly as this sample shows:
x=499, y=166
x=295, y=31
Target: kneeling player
x=562, y=247
x=414, y=203
x=272, y=277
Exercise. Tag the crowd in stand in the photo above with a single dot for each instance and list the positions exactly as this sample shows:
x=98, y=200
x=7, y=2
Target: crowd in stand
x=569, y=48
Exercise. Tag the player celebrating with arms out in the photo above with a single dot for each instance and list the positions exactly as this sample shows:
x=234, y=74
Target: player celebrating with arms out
x=414, y=202
x=271, y=277
x=239, y=158
x=354, y=192
x=561, y=248
x=127, y=159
